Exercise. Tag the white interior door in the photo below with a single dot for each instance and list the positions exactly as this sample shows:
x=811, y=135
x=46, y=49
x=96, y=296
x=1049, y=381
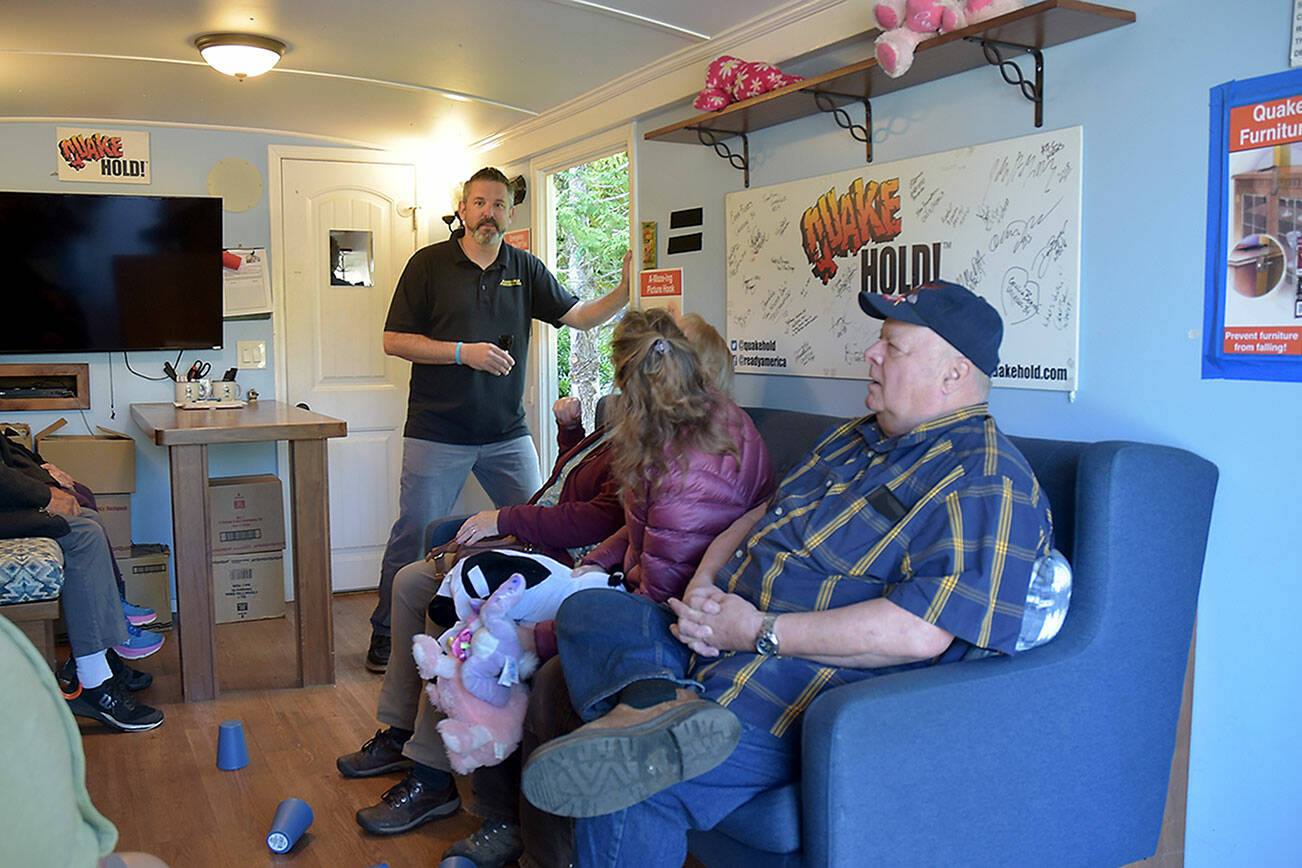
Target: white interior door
x=336, y=299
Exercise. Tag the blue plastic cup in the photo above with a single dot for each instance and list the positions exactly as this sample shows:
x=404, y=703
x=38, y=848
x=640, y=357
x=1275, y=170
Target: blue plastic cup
x=232, y=752
x=293, y=816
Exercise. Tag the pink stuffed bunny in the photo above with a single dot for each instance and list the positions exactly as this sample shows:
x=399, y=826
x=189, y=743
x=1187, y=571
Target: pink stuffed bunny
x=482, y=698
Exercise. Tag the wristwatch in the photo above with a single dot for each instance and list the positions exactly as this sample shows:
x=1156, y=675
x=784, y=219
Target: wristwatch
x=766, y=643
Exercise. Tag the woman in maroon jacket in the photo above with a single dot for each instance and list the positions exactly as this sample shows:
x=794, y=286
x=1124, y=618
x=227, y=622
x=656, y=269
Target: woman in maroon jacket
x=688, y=459
x=577, y=506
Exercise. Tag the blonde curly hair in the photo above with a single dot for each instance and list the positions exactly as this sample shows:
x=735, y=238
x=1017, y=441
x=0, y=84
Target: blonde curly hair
x=667, y=404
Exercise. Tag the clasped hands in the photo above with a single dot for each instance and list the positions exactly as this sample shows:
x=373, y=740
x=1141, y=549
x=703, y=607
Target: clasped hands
x=711, y=621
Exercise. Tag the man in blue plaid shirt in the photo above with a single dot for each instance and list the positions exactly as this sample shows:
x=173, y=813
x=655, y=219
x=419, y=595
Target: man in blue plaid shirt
x=905, y=539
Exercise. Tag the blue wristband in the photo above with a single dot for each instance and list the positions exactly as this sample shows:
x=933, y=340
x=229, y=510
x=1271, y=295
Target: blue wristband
x=458, y=352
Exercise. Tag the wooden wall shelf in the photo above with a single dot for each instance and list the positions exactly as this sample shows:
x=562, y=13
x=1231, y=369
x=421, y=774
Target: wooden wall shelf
x=1034, y=27
x=45, y=387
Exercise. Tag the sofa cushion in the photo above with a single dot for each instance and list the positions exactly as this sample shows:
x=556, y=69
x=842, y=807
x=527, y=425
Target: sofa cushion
x=31, y=569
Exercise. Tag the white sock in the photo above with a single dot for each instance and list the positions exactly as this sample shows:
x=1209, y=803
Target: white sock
x=93, y=669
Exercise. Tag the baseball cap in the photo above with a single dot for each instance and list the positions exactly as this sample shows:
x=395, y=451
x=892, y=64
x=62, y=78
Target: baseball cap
x=966, y=320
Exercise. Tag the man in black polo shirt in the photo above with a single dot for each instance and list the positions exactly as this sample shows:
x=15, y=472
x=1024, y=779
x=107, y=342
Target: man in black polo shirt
x=461, y=314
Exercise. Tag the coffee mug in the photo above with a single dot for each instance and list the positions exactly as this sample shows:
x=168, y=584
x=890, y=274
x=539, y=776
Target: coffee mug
x=225, y=390
x=193, y=390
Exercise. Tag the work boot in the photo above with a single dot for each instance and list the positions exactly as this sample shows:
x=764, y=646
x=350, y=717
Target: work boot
x=381, y=754
x=629, y=754
x=408, y=804
x=491, y=846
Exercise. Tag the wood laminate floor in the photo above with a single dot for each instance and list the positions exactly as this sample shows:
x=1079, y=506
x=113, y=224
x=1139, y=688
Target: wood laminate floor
x=163, y=790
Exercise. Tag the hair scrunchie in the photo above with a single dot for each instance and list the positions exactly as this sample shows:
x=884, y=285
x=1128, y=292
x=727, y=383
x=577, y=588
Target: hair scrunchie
x=661, y=346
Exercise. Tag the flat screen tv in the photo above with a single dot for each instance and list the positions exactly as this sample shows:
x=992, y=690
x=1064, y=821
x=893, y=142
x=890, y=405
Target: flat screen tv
x=101, y=273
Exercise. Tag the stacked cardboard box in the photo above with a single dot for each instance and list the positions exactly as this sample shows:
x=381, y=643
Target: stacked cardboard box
x=106, y=464
x=144, y=570
x=248, y=541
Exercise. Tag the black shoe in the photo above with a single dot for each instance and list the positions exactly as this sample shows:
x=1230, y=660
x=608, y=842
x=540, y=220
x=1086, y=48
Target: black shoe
x=134, y=679
x=408, y=804
x=381, y=754
x=112, y=704
x=491, y=846
x=377, y=656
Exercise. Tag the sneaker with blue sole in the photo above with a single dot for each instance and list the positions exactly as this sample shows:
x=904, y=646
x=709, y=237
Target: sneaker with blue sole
x=138, y=616
x=139, y=644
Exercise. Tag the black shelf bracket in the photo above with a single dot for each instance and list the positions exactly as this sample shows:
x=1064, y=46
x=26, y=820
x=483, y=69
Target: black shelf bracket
x=859, y=132
x=1012, y=73
x=738, y=161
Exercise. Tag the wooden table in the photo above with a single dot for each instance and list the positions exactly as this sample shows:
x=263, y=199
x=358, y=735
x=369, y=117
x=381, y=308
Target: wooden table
x=187, y=435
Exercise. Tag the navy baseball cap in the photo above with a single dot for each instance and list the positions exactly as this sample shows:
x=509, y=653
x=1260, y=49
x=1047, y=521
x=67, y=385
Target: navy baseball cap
x=966, y=320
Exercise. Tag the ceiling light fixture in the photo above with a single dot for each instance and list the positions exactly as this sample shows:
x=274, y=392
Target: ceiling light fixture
x=242, y=55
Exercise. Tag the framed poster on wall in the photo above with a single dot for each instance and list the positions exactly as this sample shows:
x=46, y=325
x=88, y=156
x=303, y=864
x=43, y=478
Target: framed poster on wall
x=1252, y=308
x=1001, y=218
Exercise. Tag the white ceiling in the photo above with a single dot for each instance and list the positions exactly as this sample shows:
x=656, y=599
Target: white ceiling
x=375, y=73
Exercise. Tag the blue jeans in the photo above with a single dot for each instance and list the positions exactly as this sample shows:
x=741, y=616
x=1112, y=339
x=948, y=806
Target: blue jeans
x=432, y=477
x=608, y=640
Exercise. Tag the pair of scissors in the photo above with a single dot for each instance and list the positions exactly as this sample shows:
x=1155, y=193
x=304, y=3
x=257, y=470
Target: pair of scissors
x=198, y=370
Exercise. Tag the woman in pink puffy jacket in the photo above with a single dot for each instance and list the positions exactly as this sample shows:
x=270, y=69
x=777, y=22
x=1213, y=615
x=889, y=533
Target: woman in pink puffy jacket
x=689, y=460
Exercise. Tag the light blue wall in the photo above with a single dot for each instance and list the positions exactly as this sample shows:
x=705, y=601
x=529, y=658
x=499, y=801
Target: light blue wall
x=180, y=161
x=1141, y=94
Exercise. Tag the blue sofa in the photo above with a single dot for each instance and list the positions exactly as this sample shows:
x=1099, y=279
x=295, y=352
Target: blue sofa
x=1057, y=756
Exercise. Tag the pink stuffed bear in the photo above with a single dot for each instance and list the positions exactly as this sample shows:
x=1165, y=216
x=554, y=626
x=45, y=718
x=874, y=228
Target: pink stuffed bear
x=919, y=20
x=730, y=79
x=483, y=698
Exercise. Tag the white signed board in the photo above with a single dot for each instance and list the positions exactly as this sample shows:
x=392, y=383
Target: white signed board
x=1003, y=219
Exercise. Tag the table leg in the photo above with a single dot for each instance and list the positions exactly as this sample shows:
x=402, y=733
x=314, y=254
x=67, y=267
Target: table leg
x=194, y=603
x=310, y=493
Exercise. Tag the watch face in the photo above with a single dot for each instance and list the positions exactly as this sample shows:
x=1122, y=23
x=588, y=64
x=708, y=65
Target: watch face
x=766, y=643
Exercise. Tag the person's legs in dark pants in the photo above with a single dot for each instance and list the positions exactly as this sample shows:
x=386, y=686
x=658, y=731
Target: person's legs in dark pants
x=512, y=828
x=410, y=743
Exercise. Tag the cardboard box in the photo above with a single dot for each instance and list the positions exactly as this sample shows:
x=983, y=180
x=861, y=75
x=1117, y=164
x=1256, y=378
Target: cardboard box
x=249, y=587
x=144, y=570
x=105, y=463
x=115, y=512
x=247, y=515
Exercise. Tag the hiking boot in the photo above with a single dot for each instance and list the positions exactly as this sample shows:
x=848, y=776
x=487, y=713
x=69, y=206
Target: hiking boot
x=408, y=804
x=491, y=846
x=138, y=616
x=140, y=644
x=381, y=754
x=134, y=679
x=377, y=656
x=629, y=754
x=112, y=704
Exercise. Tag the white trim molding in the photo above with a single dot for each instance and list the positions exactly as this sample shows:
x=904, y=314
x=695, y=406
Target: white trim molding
x=789, y=31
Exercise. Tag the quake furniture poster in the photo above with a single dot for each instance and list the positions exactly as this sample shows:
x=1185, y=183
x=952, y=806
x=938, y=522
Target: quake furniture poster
x=1002, y=218
x=1252, y=311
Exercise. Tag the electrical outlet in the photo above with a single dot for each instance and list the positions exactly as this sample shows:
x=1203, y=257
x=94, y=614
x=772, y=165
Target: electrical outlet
x=252, y=354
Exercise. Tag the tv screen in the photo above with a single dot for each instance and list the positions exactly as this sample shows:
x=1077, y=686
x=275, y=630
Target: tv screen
x=101, y=273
